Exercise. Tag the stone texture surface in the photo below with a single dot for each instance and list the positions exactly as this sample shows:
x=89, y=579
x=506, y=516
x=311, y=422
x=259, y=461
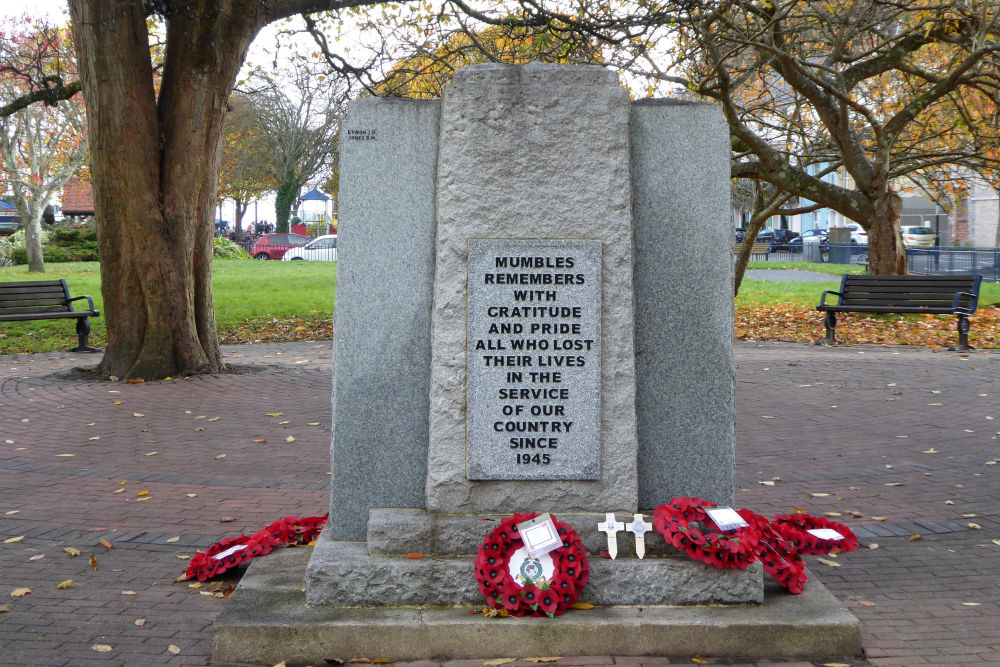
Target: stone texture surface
x=382, y=311
x=535, y=151
x=574, y=355
x=344, y=574
x=683, y=303
x=400, y=531
x=267, y=620
x=461, y=535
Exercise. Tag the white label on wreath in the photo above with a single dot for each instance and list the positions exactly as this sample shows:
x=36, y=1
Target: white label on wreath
x=230, y=551
x=527, y=570
x=825, y=534
x=540, y=535
x=726, y=518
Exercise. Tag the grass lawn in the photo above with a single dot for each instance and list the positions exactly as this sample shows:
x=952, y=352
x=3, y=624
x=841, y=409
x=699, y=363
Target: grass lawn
x=254, y=301
x=282, y=301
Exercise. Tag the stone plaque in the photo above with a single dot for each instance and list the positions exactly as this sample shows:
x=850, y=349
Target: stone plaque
x=534, y=359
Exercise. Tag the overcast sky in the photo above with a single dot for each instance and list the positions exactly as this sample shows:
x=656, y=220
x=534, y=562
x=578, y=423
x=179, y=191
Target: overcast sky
x=56, y=11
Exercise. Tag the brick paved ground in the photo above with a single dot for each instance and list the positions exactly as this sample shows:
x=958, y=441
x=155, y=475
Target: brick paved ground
x=932, y=601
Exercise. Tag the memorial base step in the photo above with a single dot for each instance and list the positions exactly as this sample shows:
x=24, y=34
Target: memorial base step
x=267, y=620
x=343, y=574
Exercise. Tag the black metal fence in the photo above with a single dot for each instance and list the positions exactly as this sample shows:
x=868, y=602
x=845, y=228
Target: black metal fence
x=948, y=261
x=936, y=261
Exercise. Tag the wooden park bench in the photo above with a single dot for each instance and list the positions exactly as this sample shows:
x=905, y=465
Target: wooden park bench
x=757, y=251
x=46, y=300
x=951, y=295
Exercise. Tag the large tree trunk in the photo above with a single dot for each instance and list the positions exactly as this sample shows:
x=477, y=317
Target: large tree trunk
x=886, y=252
x=154, y=166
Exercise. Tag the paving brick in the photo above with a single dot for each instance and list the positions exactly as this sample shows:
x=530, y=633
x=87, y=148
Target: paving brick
x=918, y=587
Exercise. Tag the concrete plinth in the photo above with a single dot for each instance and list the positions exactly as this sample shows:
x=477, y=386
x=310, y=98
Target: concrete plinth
x=343, y=574
x=267, y=620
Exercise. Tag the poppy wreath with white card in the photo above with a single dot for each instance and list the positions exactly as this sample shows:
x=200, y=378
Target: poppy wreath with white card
x=815, y=535
x=227, y=554
x=523, y=585
x=676, y=520
x=232, y=551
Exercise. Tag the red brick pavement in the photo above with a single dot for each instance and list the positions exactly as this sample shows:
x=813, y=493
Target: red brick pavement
x=905, y=435
x=932, y=601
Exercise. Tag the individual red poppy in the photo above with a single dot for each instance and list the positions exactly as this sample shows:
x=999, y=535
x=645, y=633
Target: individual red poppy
x=548, y=602
x=511, y=597
x=529, y=594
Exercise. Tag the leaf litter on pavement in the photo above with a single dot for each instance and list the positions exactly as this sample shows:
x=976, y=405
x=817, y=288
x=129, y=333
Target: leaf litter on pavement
x=795, y=323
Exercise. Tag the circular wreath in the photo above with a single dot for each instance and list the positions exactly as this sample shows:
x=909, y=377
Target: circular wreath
x=778, y=555
x=731, y=549
x=538, y=596
x=794, y=527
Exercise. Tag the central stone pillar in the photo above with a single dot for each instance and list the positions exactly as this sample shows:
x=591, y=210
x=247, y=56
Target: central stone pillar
x=527, y=161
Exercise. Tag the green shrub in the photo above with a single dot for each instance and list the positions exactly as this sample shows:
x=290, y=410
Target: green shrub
x=6, y=252
x=67, y=236
x=223, y=248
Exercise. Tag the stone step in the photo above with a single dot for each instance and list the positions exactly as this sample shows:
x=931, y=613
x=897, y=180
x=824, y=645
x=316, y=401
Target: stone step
x=267, y=620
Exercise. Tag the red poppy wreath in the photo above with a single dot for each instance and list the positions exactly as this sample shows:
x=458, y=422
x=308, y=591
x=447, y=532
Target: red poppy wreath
x=796, y=529
x=778, y=555
x=511, y=579
x=232, y=551
x=731, y=549
x=227, y=554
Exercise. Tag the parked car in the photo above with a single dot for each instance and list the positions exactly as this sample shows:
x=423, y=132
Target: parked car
x=778, y=239
x=740, y=233
x=819, y=236
x=321, y=248
x=858, y=235
x=922, y=237
x=274, y=246
x=10, y=221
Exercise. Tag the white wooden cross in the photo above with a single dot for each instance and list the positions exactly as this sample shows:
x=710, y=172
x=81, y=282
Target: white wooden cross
x=610, y=526
x=639, y=527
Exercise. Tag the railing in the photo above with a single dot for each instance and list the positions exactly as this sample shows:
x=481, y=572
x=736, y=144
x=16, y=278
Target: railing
x=936, y=261
x=949, y=261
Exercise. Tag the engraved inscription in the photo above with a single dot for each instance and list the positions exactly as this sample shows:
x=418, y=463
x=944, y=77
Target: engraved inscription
x=534, y=324
x=361, y=135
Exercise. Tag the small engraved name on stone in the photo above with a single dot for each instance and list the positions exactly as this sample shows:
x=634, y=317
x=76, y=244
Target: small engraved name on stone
x=361, y=135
